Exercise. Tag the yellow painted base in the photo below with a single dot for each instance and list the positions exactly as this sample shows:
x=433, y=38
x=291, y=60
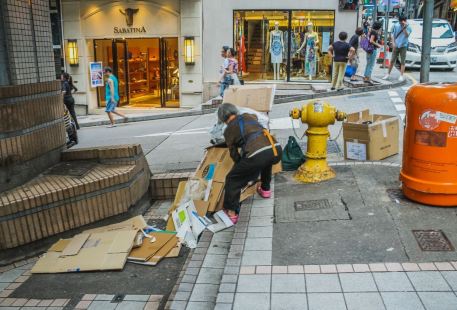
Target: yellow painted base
x=314, y=172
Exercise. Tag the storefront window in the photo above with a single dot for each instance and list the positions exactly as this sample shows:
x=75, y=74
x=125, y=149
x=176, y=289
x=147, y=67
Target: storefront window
x=147, y=70
x=284, y=45
x=311, y=35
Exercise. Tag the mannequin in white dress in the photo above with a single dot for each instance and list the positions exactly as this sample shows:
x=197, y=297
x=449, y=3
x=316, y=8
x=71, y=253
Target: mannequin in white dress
x=276, y=49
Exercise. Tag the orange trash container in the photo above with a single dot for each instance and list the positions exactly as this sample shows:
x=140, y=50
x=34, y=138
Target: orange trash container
x=429, y=171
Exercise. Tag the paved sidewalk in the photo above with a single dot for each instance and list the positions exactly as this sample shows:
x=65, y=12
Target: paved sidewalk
x=238, y=270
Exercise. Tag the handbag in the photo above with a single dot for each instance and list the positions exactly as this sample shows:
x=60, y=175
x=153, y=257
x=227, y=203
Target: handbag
x=292, y=155
x=366, y=45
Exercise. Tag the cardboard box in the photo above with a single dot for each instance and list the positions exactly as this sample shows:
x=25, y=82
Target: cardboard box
x=256, y=97
x=370, y=136
x=218, y=156
x=99, y=251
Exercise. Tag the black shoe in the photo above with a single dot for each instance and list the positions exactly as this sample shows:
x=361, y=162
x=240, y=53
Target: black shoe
x=333, y=88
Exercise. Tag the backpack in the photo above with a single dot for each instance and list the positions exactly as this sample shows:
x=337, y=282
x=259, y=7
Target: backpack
x=292, y=155
x=366, y=45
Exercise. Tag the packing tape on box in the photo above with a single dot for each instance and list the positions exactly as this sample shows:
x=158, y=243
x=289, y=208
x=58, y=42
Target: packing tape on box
x=384, y=128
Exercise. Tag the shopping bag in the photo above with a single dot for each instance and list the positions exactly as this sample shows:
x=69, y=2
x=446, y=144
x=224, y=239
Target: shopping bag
x=349, y=71
x=292, y=155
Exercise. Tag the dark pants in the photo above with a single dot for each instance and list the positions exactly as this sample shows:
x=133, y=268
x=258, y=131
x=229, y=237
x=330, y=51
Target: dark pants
x=246, y=170
x=70, y=104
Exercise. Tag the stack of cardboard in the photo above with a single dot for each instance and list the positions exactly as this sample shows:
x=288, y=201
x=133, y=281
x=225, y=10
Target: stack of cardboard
x=108, y=248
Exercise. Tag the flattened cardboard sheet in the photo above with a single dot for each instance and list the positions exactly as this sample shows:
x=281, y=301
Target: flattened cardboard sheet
x=163, y=252
x=101, y=251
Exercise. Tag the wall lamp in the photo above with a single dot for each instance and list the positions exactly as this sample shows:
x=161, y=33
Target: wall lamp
x=72, y=49
x=189, y=50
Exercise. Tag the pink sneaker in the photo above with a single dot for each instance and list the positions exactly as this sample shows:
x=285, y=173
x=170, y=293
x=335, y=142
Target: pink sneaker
x=263, y=193
x=233, y=218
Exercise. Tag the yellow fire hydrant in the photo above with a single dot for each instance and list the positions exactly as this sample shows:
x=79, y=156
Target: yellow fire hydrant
x=318, y=115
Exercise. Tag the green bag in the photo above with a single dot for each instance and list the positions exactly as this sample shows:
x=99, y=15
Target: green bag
x=292, y=155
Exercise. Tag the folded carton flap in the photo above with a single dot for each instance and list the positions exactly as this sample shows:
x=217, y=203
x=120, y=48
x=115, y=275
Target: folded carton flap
x=76, y=243
x=114, y=261
x=148, y=248
x=170, y=245
x=215, y=195
x=201, y=206
x=60, y=245
x=358, y=117
x=123, y=242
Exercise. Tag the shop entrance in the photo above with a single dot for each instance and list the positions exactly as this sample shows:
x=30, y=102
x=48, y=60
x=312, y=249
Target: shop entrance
x=147, y=70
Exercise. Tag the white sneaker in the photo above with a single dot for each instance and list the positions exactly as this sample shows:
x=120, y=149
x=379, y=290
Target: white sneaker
x=110, y=126
x=386, y=77
x=401, y=78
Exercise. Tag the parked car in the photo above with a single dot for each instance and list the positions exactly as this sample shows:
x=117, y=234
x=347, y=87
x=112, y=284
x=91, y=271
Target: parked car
x=444, y=45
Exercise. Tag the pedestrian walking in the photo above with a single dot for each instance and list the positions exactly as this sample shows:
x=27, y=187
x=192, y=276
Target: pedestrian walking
x=225, y=79
x=259, y=152
x=232, y=69
x=68, y=100
x=112, y=96
x=354, y=43
x=341, y=52
x=372, y=51
x=400, y=40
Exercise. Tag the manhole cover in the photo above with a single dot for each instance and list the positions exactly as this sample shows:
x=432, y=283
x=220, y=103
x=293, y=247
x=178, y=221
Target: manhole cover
x=73, y=168
x=432, y=240
x=319, y=204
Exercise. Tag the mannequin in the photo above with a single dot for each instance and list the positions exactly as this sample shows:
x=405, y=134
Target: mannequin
x=310, y=42
x=276, y=49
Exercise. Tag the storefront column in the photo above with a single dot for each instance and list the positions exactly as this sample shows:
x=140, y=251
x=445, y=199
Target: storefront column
x=71, y=24
x=191, y=78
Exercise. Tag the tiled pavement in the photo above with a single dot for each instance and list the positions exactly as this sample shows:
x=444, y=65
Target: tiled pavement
x=250, y=281
x=233, y=270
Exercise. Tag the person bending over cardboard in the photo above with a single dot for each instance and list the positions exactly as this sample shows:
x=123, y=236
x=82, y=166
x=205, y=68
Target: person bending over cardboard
x=259, y=152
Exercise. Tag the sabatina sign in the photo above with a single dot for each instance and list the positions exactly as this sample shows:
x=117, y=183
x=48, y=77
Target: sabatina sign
x=118, y=30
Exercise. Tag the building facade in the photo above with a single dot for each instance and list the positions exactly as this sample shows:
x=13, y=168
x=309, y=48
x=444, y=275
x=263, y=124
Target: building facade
x=248, y=25
x=143, y=42
x=166, y=53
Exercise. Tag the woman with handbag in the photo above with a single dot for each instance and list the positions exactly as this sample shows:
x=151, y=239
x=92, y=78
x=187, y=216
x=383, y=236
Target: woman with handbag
x=259, y=152
x=371, y=50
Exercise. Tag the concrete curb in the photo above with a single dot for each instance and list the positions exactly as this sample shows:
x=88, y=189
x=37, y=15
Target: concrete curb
x=143, y=118
x=347, y=91
x=279, y=100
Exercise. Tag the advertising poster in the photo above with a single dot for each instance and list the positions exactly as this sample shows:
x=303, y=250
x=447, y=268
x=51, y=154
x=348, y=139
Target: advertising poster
x=96, y=74
x=325, y=41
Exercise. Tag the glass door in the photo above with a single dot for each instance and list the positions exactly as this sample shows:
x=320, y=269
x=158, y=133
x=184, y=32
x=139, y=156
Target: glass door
x=112, y=53
x=169, y=72
x=120, y=70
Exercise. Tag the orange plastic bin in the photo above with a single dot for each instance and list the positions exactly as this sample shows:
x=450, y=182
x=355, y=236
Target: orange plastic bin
x=429, y=171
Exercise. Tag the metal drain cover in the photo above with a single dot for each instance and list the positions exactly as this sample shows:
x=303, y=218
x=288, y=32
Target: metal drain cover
x=319, y=204
x=432, y=240
x=73, y=168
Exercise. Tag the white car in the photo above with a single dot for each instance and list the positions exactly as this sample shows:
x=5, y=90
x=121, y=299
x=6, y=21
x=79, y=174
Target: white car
x=444, y=45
